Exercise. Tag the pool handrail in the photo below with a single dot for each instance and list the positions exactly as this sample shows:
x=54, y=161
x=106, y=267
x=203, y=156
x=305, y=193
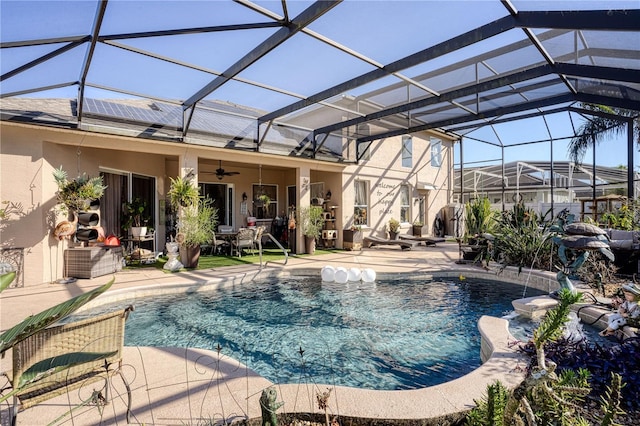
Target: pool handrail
x=286, y=255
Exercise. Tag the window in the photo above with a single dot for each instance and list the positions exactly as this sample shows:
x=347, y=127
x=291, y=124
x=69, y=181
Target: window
x=265, y=201
x=407, y=151
x=316, y=191
x=436, y=152
x=405, y=205
x=361, y=203
x=364, y=151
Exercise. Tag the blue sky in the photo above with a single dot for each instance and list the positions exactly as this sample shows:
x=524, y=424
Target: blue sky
x=611, y=152
x=381, y=30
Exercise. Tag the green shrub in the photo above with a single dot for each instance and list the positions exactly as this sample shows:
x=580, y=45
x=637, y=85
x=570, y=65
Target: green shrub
x=479, y=218
x=523, y=239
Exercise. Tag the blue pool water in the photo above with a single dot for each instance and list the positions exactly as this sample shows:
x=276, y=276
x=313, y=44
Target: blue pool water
x=392, y=334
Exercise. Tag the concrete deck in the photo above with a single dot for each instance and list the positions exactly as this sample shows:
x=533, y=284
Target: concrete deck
x=173, y=386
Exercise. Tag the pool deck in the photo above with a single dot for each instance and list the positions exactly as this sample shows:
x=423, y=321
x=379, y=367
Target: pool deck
x=174, y=386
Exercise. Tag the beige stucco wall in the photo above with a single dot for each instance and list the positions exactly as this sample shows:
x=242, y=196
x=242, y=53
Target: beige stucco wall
x=28, y=157
x=29, y=154
x=384, y=173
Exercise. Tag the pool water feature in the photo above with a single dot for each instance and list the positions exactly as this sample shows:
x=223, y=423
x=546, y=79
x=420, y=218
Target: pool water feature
x=522, y=329
x=398, y=333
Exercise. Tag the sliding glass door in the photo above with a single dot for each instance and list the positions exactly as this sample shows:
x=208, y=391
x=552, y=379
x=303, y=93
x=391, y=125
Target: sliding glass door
x=221, y=196
x=123, y=187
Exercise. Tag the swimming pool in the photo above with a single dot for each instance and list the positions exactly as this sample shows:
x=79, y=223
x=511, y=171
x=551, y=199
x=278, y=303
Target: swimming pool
x=401, y=332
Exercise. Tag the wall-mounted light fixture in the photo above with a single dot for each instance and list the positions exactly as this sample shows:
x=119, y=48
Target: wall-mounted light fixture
x=244, y=196
x=327, y=196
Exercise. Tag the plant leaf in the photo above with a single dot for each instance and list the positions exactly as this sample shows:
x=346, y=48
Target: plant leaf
x=35, y=323
x=49, y=366
x=6, y=279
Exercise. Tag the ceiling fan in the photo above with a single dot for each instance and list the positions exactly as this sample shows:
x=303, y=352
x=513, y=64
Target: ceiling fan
x=221, y=173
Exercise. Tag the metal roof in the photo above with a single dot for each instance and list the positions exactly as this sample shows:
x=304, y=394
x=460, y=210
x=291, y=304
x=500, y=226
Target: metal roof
x=300, y=71
x=538, y=175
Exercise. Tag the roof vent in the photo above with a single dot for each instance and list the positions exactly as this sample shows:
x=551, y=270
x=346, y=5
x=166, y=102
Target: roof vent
x=154, y=107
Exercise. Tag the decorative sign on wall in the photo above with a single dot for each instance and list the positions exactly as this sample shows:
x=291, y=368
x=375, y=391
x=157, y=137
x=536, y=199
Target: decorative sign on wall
x=385, y=193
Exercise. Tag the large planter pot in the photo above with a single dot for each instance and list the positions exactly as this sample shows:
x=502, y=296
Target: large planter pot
x=351, y=239
x=189, y=256
x=138, y=231
x=393, y=235
x=309, y=244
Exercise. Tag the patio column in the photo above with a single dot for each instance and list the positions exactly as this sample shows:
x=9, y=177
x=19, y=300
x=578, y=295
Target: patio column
x=303, y=181
x=188, y=166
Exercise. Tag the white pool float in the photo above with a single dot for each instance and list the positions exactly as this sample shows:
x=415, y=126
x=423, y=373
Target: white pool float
x=368, y=275
x=354, y=274
x=328, y=273
x=342, y=275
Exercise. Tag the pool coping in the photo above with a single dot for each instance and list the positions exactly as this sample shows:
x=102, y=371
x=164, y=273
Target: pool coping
x=440, y=404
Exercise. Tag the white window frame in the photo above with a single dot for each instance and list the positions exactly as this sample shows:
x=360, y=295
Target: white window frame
x=436, y=152
x=407, y=151
x=272, y=209
x=405, y=204
x=357, y=206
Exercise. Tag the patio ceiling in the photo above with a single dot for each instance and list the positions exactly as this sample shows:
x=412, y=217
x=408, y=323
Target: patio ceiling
x=323, y=72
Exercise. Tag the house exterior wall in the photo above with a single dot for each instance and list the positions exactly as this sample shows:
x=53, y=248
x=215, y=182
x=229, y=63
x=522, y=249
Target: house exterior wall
x=384, y=174
x=29, y=154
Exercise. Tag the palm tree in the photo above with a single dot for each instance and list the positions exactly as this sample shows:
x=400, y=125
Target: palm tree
x=600, y=128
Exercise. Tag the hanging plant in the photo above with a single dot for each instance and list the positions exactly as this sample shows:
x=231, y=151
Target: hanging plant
x=77, y=194
x=182, y=192
x=264, y=199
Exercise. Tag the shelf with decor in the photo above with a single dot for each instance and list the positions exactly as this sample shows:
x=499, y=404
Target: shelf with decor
x=329, y=233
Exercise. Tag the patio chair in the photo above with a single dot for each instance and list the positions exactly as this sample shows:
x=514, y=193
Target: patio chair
x=257, y=241
x=428, y=241
x=244, y=239
x=103, y=333
x=371, y=241
x=215, y=247
x=225, y=229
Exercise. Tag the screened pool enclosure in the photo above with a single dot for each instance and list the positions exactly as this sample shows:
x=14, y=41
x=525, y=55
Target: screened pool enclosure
x=323, y=79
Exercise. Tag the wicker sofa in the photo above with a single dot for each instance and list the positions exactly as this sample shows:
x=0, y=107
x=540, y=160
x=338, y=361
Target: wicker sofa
x=102, y=334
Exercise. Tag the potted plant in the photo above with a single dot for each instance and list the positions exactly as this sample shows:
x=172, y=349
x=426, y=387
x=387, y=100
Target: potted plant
x=311, y=223
x=196, y=226
x=479, y=222
x=134, y=218
x=394, y=228
x=182, y=193
x=352, y=238
x=418, y=229
x=76, y=195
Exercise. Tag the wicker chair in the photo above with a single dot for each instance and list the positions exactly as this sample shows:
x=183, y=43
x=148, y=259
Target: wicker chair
x=257, y=241
x=244, y=239
x=215, y=247
x=103, y=333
